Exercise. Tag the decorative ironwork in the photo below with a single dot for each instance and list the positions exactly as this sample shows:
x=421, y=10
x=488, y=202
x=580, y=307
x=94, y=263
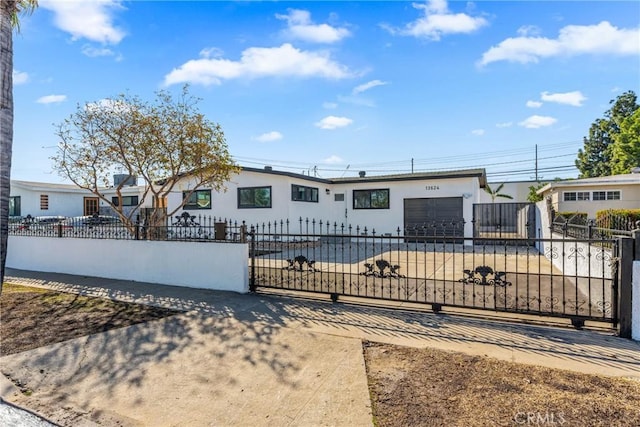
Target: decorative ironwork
x=576, y=306
x=382, y=265
x=484, y=271
x=298, y=264
x=552, y=304
x=185, y=220
x=575, y=253
x=603, y=255
x=551, y=252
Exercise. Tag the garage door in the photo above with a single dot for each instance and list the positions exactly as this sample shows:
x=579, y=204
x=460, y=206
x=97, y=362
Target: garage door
x=434, y=217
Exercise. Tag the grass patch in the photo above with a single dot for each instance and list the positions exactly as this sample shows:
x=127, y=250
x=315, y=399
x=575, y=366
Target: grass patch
x=33, y=317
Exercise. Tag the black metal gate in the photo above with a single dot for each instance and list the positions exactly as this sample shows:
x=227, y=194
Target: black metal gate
x=504, y=220
x=574, y=278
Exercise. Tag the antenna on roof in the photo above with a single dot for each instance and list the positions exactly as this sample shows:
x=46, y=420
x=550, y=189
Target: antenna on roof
x=345, y=171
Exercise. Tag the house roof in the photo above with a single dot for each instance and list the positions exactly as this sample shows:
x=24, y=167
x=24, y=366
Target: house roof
x=465, y=173
x=46, y=186
x=64, y=188
x=611, y=180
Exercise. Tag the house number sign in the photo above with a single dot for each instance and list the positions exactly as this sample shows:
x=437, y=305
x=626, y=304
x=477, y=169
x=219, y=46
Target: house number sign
x=432, y=187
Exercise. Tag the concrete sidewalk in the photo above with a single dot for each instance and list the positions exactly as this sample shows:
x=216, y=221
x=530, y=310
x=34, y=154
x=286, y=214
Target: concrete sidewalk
x=261, y=359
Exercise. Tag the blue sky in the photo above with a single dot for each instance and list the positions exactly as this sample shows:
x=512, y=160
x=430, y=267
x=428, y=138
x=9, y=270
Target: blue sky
x=331, y=88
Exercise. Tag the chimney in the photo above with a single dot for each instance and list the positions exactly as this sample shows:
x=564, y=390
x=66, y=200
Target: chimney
x=362, y=174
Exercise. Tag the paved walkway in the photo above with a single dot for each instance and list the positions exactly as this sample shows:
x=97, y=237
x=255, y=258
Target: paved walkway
x=261, y=359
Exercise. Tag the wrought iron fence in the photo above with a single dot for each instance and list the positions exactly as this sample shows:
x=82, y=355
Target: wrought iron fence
x=590, y=230
x=574, y=278
x=185, y=227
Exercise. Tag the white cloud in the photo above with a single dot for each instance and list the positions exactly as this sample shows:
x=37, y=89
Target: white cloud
x=534, y=104
x=211, y=52
x=269, y=136
x=478, y=132
x=535, y=122
x=92, y=20
x=504, y=125
x=301, y=27
x=602, y=38
x=329, y=105
x=20, y=77
x=369, y=85
x=283, y=61
x=51, y=99
x=575, y=98
x=333, y=160
x=333, y=122
x=93, y=52
x=438, y=21
x=528, y=31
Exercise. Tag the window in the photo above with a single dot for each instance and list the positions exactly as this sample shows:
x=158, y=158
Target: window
x=126, y=201
x=14, y=206
x=254, y=197
x=371, y=199
x=44, y=202
x=613, y=195
x=572, y=196
x=199, y=199
x=595, y=195
x=301, y=193
x=339, y=197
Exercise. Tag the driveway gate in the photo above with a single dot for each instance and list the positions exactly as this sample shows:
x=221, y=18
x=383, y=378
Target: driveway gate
x=563, y=278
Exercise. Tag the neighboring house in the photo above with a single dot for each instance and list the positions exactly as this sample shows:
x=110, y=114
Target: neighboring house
x=590, y=195
x=45, y=199
x=384, y=203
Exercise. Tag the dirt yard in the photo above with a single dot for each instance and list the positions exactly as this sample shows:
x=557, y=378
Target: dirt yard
x=34, y=317
x=427, y=387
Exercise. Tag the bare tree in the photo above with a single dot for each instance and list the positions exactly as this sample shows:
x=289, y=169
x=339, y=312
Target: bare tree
x=161, y=142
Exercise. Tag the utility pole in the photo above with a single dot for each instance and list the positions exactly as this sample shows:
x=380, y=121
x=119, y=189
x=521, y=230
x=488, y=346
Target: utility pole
x=412, y=165
x=536, y=162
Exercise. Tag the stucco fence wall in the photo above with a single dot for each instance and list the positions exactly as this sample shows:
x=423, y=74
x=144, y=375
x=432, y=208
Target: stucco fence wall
x=218, y=266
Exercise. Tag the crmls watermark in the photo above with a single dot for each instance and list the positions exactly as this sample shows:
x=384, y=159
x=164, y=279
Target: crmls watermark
x=540, y=418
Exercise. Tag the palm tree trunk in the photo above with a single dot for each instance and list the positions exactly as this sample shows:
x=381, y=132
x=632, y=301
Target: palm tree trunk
x=7, y=8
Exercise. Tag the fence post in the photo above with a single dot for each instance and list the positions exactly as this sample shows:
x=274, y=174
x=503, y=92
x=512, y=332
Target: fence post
x=635, y=291
x=252, y=255
x=243, y=233
x=137, y=234
x=625, y=283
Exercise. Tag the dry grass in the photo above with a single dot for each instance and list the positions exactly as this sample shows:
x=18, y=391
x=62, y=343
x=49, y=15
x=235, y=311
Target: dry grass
x=427, y=387
x=34, y=317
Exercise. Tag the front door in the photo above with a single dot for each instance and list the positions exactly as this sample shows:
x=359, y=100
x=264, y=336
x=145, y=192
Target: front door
x=91, y=205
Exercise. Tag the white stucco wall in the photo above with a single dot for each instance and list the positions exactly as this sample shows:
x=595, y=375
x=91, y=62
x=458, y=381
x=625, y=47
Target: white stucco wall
x=219, y=266
x=225, y=204
x=60, y=203
x=388, y=220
